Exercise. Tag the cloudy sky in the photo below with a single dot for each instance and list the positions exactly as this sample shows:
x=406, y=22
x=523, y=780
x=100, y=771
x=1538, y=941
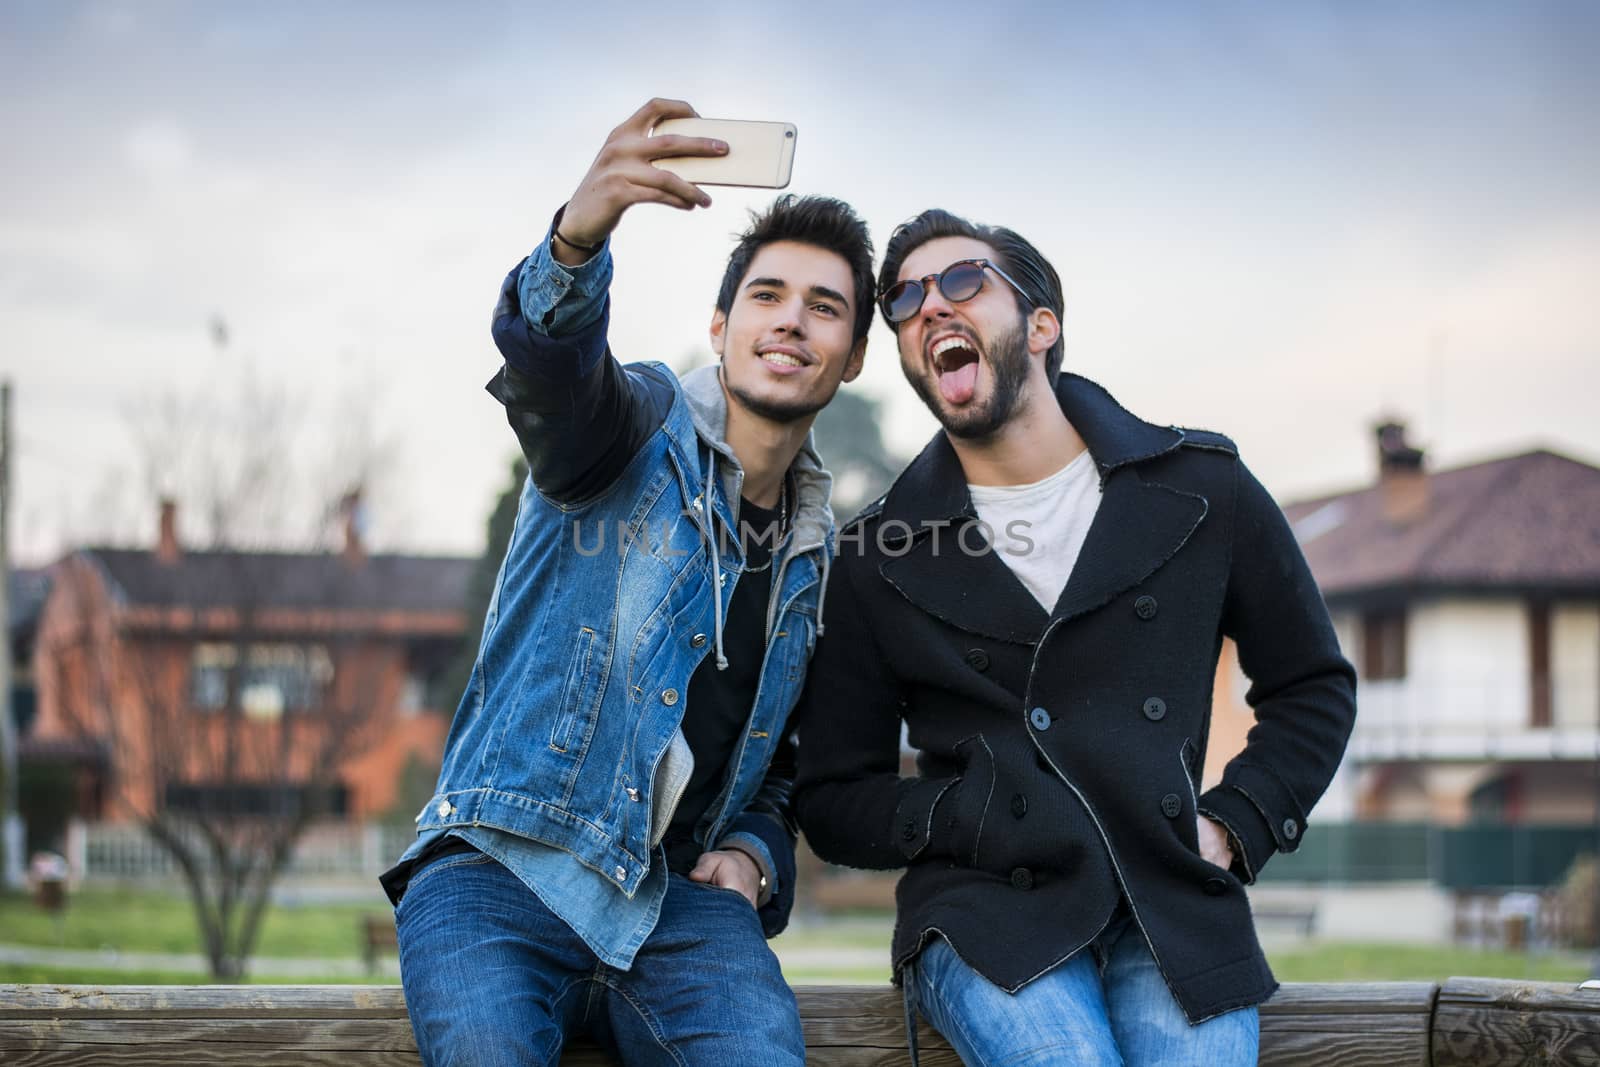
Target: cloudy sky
x=1280, y=221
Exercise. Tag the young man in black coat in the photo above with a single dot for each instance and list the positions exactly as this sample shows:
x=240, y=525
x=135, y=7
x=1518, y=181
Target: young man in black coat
x=1041, y=598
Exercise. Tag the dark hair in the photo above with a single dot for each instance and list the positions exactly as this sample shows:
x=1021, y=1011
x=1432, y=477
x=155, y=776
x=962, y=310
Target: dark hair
x=1013, y=254
x=829, y=224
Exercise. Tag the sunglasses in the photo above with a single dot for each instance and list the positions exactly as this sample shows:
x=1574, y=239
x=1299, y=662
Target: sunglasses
x=958, y=282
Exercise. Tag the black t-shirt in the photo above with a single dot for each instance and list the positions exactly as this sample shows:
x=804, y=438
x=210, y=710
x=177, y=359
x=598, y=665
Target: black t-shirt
x=717, y=709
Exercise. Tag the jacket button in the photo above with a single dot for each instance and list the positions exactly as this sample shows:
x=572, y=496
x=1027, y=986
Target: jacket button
x=1145, y=607
x=621, y=874
x=1019, y=805
x=1171, y=806
x=1291, y=829
x=669, y=697
x=1215, y=887
x=697, y=641
x=1040, y=719
x=977, y=659
x=633, y=793
x=1021, y=878
x=908, y=832
x=1155, y=709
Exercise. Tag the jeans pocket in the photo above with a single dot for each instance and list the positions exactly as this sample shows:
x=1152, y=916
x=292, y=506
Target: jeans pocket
x=442, y=863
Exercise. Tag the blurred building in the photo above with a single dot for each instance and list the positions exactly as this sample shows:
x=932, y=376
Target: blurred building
x=139, y=652
x=1469, y=601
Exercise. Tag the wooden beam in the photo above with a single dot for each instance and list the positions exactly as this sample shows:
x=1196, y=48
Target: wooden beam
x=1472, y=1022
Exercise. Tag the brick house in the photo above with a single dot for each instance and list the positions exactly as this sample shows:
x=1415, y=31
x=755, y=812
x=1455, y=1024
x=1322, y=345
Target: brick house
x=169, y=677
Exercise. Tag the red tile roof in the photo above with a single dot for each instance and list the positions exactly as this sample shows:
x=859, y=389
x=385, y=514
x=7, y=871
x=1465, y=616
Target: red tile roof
x=1529, y=522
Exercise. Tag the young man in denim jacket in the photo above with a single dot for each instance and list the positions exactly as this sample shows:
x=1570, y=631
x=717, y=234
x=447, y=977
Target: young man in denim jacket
x=610, y=840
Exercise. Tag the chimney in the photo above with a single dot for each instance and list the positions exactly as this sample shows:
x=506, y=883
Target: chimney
x=353, y=517
x=167, y=550
x=1401, y=479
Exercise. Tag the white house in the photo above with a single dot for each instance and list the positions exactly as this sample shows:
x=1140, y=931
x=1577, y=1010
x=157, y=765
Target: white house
x=1469, y=601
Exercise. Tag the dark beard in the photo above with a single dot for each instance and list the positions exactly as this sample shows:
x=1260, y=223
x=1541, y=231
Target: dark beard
x=783, y=413
x=1008, y=355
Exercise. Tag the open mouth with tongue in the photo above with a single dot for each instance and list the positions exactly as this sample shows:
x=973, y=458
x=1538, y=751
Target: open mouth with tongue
x=955, y=361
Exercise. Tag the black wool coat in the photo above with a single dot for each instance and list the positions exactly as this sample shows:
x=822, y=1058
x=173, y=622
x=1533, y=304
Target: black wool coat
x=1058, y=753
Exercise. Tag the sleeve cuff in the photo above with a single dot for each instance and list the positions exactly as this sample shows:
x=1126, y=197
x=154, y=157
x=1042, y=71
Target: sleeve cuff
x=756, y=849
x=1259, y=811
x=557, y=299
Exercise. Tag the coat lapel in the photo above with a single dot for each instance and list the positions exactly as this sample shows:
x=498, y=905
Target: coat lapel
x=1138, y=527
x=975, y=591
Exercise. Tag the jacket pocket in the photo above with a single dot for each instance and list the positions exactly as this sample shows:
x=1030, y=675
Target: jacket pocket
x=574, y=718
x=972, y=796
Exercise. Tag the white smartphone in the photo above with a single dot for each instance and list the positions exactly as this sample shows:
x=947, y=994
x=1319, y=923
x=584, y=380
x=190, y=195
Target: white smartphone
x=760, y=154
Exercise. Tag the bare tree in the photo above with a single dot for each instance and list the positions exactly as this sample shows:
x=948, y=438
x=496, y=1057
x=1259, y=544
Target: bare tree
x=226, y=686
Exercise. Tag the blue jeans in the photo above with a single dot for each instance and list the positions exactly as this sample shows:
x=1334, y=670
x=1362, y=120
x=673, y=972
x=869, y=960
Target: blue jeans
x=493, y=977
x=1107, y=1006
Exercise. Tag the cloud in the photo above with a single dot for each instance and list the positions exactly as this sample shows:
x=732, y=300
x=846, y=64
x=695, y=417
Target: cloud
x=159, y=149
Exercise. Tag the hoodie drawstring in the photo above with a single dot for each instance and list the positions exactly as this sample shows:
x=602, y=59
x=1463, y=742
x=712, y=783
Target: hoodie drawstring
x=822, y=594
x=716, y=561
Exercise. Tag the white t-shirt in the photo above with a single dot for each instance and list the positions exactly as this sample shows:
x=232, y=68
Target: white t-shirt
x=1038, y=529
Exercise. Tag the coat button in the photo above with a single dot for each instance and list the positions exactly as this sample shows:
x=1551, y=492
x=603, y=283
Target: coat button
x=621, y=874
x=1171, y=806
x=977, y=659
x=1291, y=829
x=1215, y=887
x=1155, y=709
x=1040, y=719
x=908, y=832
x=1021, y=878
x=1019, y=805
x=669, y=697
x=1145, y=607
x=697, y=641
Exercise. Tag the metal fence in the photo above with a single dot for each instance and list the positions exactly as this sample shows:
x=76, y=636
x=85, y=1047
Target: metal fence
x=332, y=851
x=1476, y=856
x=1473, y=857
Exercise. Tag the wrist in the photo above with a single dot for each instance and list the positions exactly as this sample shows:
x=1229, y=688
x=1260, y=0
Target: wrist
x=570, y=245
x=757, y=868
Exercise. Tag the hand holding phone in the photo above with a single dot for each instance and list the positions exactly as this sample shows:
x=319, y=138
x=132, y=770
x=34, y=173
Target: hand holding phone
x=622, y=176
x=760, y=154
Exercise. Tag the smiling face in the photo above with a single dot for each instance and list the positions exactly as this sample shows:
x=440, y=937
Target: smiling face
x=785, y=341
x=971, y=362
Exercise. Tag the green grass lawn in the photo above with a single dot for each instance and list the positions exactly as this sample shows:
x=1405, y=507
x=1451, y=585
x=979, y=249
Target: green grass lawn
x=1358, y=962
x=145, y=921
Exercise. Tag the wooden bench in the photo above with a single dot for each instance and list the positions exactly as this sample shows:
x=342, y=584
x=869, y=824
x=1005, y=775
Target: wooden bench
x=1467, y=1022
x=377, y=935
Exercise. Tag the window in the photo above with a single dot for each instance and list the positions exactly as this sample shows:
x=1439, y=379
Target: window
x=275, y=678
x=1383, y=645
x=1539, y=711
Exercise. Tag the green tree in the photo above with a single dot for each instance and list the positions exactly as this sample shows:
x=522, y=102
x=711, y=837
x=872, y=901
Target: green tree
x=847, y=436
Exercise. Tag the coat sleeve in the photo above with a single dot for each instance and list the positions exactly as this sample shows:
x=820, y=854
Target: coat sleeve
x=852, y=804
x=578, y=414
x=1301, y=689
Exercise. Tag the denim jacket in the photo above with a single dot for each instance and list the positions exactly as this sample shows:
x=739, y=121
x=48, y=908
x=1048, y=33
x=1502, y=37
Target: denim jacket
x=568, y=733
